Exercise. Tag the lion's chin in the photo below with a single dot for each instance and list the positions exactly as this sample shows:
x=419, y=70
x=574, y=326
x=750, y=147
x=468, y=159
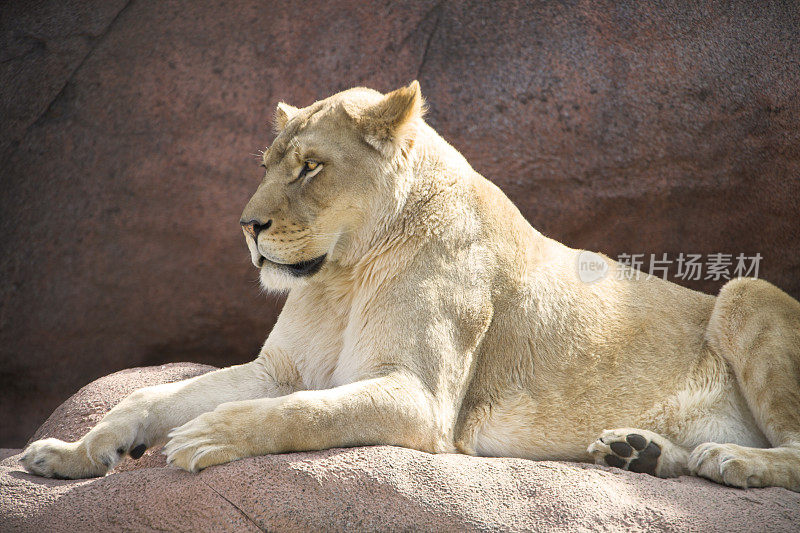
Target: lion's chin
x=283, y=277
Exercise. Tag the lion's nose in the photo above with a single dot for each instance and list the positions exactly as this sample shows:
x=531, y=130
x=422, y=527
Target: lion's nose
x=254, y=227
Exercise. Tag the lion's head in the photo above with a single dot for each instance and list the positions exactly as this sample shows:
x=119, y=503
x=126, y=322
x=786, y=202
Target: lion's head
x=334, y=171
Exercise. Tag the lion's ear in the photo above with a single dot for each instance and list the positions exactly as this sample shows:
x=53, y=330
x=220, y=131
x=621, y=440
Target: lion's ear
x=387, y=121
x=283, y=114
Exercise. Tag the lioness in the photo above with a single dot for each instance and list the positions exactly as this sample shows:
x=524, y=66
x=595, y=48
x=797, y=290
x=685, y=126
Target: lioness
x=424, y=311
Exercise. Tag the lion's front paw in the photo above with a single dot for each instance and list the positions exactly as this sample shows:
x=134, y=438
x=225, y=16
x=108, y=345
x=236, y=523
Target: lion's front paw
x=61, y=460
x=729, y=464
x=205, y=441
x=92, y=456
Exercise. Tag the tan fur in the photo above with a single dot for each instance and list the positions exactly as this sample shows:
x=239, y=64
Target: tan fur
x=441, y=320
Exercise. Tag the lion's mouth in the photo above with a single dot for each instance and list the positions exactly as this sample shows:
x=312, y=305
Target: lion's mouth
x=303, y=268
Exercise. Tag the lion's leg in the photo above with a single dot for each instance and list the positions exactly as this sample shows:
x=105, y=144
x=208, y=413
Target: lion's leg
x=756, y=328
x=640, y=450
x=142, y=420
x=388, y=410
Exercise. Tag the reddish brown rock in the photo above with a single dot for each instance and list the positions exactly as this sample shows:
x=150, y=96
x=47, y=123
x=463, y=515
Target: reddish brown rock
x=364, y=489
x=127, y=128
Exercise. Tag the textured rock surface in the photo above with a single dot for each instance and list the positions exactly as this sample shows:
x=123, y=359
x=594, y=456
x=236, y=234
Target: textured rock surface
x=374, y=488
x=127, y=127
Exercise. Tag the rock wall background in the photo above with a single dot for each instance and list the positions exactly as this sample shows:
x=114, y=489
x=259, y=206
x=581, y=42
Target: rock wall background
x=127, y=129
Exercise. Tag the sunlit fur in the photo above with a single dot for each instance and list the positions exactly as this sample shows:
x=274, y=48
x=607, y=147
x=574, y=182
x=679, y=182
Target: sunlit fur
x=442, y=321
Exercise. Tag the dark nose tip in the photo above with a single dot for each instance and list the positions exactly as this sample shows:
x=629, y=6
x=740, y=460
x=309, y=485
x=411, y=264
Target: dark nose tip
x=254, y=227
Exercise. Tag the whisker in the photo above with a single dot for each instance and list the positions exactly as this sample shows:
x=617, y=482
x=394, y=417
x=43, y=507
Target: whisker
x=309, y=233
x=260, y=155
x=345, y=232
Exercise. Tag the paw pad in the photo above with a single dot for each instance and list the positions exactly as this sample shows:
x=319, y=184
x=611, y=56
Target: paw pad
x=137, y=451
x=637, y=441
x=633, y=452
x=622, y=449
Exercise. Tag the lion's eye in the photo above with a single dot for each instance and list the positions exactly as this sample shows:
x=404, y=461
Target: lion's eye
x=310, y=168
